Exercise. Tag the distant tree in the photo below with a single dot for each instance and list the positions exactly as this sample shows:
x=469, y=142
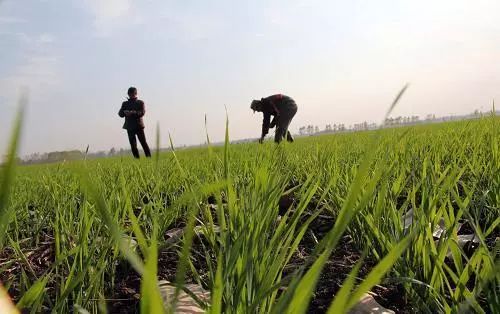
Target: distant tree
x=112, y=151
x=64, y=155
x=4, y=159
x=99, y=154
x=310, y=129
x=316, y=129
x=33, y=158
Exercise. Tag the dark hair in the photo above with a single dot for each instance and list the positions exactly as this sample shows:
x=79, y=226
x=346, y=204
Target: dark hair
x=131, y=91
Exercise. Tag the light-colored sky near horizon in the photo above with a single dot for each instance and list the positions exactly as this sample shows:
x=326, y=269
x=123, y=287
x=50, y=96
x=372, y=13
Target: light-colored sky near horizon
x=342, y=61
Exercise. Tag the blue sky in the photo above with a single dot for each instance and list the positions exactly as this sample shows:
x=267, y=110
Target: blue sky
x=343, y=61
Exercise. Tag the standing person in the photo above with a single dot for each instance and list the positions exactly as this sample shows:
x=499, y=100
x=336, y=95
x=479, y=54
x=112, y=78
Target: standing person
x=133, y=110
x=283, y=109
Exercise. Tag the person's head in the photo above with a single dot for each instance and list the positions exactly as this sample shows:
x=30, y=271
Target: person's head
x=256, y=105
x=132, y=92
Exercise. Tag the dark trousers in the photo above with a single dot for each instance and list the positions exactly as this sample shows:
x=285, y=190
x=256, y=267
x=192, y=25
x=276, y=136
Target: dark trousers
x=287, y=113
x=142, y=139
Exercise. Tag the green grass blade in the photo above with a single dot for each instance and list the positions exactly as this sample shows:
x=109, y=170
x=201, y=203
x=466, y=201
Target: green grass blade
x=8, y=169
x=34, y=293
x=377, y=273
x=151, y=301
x=341, y=299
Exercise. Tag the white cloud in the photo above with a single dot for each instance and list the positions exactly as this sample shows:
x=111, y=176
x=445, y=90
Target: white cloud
x=109, y=9
x=23, y=37
x=110, y=15
x=18, y=36
x=38, y=69
x=191, y=26
x=46, y=38
x=11, y=20
x=33, y=42
x=38, y=74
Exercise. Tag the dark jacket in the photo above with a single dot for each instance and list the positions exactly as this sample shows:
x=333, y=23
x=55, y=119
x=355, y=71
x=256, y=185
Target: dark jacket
x=134, y=120
x=269, y=104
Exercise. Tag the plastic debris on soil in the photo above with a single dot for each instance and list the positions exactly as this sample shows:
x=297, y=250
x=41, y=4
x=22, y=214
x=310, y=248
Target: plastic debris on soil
x=463, y=240
x=368, y=305
x=408, y=220
x=185, y=303
x=176, y=234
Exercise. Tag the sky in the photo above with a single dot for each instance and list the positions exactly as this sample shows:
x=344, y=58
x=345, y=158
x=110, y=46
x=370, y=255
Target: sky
x=342, y=61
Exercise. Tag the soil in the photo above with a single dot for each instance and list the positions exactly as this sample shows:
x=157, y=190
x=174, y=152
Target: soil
x=338, y=267
x=335, y=273
x=126, y=294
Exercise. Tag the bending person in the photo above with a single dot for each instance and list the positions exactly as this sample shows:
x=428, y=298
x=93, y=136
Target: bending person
x=283, y=109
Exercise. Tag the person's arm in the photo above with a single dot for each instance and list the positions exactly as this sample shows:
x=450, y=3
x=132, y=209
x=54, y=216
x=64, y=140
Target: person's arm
x=121, y=113
x=265, y=125
x=136, y=113
x=140, y=113
x=273, y=122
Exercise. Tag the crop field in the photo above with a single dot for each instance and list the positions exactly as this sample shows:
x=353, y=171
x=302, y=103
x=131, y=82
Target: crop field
x=409, y=214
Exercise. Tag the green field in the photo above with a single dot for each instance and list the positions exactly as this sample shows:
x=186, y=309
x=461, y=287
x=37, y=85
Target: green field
x=89, y=235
